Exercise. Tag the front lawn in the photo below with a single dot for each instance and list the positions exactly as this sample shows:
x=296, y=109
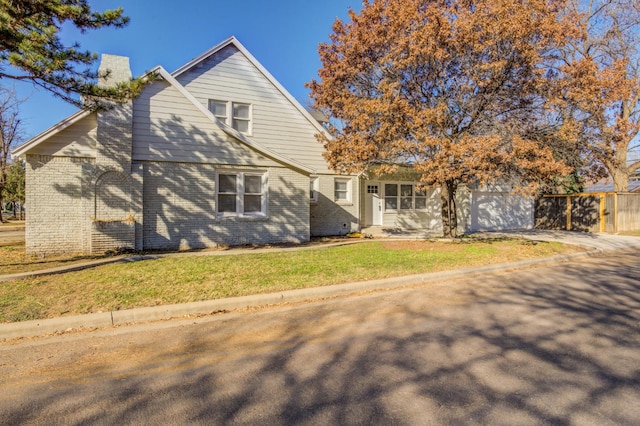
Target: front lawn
x=192, y=278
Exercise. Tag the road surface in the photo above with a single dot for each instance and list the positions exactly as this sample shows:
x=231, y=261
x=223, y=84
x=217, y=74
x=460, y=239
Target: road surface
x=11, y=237
x=554, y=345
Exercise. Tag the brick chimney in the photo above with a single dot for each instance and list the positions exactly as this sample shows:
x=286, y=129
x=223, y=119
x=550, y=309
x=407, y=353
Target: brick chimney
x=117, y=67
x=115, y=125
x=117, y=195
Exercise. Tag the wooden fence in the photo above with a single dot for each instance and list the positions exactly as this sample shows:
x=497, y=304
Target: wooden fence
x=609, y=212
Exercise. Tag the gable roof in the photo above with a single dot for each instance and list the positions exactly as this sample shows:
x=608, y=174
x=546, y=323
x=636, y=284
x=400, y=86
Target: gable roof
x=169, y=78
x=234, y=41
x=226, y=128
x=55, y=129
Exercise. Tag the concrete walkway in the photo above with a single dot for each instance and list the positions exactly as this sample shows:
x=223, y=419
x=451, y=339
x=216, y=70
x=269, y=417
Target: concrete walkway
x=597, y=243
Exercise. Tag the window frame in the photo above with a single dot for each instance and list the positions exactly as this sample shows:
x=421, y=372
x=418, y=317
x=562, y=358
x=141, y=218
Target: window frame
x=224, y=118
x=230, y=119
x=240, y=193
x=347, y=191
x=400, y=197
x=314, y=189
x=248, y=120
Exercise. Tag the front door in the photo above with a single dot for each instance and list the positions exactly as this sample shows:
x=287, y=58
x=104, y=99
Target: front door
x=373, y=206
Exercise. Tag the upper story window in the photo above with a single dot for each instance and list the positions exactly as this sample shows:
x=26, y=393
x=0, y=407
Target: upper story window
x=219, y=109
x=241, y=118
x=234, y=114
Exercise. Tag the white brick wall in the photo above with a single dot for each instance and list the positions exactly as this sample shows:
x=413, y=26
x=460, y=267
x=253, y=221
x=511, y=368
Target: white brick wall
x=57, y=194
x=178, y=200
x=331, y=218
x=179, y=209
x=114, y=235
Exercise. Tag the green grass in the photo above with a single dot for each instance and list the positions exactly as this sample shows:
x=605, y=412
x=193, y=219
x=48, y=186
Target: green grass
x=192, y=278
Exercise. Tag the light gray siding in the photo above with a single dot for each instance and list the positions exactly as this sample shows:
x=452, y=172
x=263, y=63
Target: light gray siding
x=77, y=140
x=430, y=218
x=277, y=123
x=168, y=127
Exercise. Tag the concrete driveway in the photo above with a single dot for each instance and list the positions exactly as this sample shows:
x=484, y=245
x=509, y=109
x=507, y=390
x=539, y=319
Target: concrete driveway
x=601, y=242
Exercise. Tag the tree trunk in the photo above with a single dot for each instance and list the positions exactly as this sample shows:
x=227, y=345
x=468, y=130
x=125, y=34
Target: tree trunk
x=620, y=180
x=449, y=215
x=619, y=171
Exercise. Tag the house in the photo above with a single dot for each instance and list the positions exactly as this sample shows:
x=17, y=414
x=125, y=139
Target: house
x=395, y=202
x=214, y=153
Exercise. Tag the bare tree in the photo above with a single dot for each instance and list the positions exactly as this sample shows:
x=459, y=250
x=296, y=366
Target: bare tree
x=10, y=135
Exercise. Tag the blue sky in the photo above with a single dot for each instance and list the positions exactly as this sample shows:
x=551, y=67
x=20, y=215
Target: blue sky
x=283, y=35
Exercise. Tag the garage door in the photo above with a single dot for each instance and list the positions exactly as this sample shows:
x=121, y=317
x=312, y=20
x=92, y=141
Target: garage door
x=500, y=211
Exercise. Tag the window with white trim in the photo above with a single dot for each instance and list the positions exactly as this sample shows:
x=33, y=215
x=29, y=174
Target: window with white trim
x=314, y=189
x=241, y=117
x=219, y=109
x=404, y=196
x=390, y=196
x=342, y=190
x=234, y=114
x=420, y=199
x=241, y=193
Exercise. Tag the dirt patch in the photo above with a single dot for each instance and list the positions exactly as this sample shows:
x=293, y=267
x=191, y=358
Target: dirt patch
x=419, y=245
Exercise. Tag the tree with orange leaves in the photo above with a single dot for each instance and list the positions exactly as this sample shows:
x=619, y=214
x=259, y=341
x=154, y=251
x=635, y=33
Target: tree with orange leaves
x=453, y=88
x=599, y=93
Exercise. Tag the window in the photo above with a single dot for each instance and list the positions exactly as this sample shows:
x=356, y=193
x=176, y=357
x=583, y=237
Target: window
x=404, y=196
x=252, y=194
x=390, y=196
x=342, y=190
x=421, y=199
x=234, y=114
x=219, y=109
x=241, y=194
x=241, y=119
x=314, y=189
x=227, y=193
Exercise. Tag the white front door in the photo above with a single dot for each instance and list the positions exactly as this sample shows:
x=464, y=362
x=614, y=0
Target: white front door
x=373, y=206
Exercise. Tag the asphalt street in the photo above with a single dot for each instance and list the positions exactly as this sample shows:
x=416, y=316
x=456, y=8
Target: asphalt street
x=548, y=345
x=11, y=236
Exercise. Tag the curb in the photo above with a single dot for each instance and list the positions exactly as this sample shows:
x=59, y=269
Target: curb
x=166, y=312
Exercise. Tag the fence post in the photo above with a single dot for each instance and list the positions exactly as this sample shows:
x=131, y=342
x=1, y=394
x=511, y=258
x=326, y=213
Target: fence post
x=615, y=213
x=602, y=212
x=568, y=228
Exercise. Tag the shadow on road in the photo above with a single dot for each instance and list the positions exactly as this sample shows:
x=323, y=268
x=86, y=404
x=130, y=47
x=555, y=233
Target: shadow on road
x=544, y=346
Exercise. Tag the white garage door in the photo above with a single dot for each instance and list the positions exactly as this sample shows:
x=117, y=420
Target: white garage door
x=500, y=211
